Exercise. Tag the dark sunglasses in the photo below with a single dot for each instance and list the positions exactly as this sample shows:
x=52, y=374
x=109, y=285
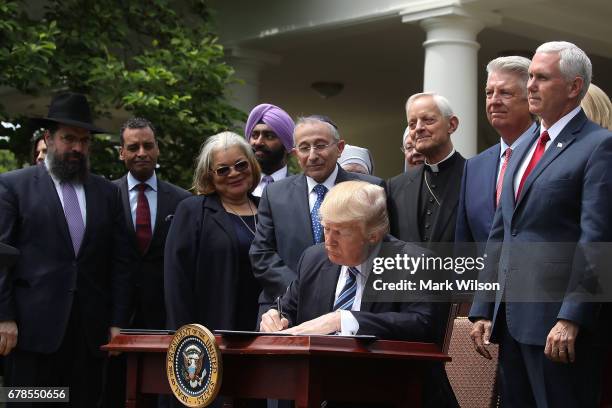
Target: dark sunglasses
x=240, y=167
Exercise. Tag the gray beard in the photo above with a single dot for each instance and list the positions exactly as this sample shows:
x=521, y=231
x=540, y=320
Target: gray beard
x=64, y=170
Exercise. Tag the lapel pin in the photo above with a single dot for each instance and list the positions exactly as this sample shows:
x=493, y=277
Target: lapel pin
x=559, y=145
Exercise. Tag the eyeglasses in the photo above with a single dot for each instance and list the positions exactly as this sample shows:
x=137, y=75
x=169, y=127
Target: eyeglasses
x=240, y=167
x=319, y=147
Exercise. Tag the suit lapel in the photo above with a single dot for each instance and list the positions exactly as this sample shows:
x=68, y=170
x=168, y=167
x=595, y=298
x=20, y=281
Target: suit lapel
x=298, y=197
x=219, y=215
x=508, y=198
x=329, y=281
x=53, y=203
x=561, y=142
x=163, y=201
x=125, y=201
x=92, y=202
x=491, y=169
x=411, y=196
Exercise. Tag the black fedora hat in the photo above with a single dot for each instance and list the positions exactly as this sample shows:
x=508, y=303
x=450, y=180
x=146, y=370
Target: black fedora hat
x=8, y=255
x=69, y=108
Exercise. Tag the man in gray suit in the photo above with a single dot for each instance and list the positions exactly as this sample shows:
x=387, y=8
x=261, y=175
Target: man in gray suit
x=288, y=210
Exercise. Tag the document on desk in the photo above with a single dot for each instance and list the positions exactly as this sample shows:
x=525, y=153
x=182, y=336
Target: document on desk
x=256, y=333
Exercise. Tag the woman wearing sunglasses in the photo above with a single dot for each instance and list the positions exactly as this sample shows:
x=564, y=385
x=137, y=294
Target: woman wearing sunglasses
x=207, y=272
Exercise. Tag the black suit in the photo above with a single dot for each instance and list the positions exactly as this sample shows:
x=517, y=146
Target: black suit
x=285, y=231
x=148, y=274
x=404, y=199
x=56, y=297
x=404, y=211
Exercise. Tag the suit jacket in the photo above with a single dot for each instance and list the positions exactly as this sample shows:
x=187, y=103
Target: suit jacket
x=403, y=203
x=201, y=266
x=39, y=291
x=312, y=295
x=566, y=199
x=285, y=231
x=148, y=272
x=476, y=206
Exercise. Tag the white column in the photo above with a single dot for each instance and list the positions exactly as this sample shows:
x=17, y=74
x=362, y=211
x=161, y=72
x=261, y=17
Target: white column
x=451, y=66
x=248, y=65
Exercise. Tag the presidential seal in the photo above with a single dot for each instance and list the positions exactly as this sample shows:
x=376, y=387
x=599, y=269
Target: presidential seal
x=193, y=366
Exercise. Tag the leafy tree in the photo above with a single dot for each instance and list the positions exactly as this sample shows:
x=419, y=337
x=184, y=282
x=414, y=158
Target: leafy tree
x=152, y=58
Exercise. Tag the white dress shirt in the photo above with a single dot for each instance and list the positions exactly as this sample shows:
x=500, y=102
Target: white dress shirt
x=329, y=183
x=276, y=176
x=150, y=194
x=349, y=325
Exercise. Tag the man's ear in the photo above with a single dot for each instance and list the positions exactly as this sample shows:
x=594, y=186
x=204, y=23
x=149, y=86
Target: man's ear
x=453, y=124
x=374, y=237
x=47, y=136
x=340, y=145
x=121, y=153
x=575, y=87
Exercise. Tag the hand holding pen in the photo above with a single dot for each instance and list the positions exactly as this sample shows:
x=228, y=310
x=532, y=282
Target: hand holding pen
x=274, y=320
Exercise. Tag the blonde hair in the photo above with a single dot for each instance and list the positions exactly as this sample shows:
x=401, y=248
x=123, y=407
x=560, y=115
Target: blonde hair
x=202, y=177
x=597, y=106
x=357, y=201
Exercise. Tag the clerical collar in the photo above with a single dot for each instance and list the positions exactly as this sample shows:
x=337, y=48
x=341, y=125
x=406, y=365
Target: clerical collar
x=439, y=165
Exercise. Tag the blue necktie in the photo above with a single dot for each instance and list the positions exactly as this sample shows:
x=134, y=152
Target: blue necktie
x=74, y=218
x=346, y=298
x=317, y=229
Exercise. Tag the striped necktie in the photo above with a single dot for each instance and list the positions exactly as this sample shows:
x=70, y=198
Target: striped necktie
x=346, y=298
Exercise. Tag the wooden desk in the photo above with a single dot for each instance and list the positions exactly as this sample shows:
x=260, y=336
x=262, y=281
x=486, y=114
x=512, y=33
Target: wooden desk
x=307, y=369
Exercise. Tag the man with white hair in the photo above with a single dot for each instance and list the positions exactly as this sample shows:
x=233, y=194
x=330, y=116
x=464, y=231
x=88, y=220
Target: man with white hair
x=508, y=112
x=557, y=189
x=423, y=200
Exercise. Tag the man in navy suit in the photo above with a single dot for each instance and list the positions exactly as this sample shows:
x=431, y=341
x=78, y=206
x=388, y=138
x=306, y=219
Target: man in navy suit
x=556, y=190
x=288, y=210
x=69, y=291
x=508, y=112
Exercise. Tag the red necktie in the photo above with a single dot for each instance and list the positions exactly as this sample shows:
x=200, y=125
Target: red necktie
x=500, y=180
x=537, y=155
x=143, y=219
